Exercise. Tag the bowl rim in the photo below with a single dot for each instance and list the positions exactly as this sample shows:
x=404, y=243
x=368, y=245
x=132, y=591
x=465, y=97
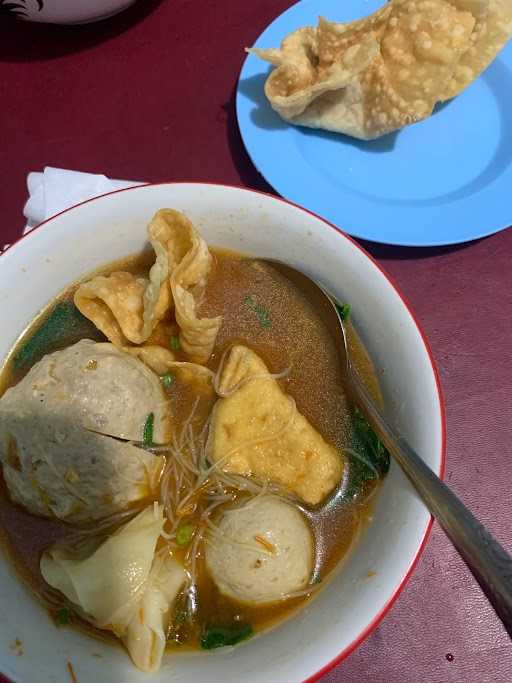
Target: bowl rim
x=442, y=407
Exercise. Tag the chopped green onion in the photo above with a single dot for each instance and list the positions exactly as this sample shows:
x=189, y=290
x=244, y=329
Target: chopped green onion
x=184, y=534
x=167, y=379
x=261, y=312
x=63, y=615
x=343, y=311
x=147, y=434
x=217, y=636
x=175, y=342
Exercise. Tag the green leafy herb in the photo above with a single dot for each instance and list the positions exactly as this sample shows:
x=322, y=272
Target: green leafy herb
x=218, y=636
x=175, y=342
x=369, y=458
x=63, y=615
x=64, y=323
x=343, y=310
x=184, y=534
x=167, y=379
x=261, y=312
x=147, y=434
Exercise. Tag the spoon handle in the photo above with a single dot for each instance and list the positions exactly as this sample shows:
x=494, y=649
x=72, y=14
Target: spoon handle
x=490, y=564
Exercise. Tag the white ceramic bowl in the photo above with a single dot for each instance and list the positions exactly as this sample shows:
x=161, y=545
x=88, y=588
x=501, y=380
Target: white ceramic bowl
x=68, y=11
x=79, y=240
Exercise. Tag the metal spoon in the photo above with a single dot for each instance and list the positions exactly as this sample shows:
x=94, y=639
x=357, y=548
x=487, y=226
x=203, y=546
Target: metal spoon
x=490, y=564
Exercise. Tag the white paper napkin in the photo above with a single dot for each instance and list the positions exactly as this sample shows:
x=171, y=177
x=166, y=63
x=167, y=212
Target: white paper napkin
x=56, y=189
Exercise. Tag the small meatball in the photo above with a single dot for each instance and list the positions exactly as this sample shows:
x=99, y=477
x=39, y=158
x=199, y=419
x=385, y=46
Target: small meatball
x=261, y=552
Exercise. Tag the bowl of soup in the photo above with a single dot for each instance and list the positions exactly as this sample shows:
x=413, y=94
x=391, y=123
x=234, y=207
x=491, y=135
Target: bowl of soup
x=187, y=491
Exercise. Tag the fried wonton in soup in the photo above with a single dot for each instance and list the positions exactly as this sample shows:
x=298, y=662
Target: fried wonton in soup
x=127, y=309
x=256, y=429
x=163, y=361
x=124, y=586
x=370, y=77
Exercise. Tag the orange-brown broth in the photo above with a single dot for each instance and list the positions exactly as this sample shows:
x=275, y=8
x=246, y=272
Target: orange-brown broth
x=297, y=339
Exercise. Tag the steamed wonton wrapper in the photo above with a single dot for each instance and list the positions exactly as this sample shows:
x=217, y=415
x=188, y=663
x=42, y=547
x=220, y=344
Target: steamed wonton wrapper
x=372, y=76
x=122, y=586
x=257, y=430
x=127, y=308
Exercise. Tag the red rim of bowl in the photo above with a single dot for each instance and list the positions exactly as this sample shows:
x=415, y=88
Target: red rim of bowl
x=380, y=616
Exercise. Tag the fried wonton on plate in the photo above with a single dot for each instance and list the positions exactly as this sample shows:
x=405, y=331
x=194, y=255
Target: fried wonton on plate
x=375, y=75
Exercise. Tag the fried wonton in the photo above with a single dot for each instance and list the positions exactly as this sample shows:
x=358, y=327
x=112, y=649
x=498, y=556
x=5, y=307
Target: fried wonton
x=163, y=361
x=127, y=309
x=375, y=75
x=257, y=430
x=123, y=586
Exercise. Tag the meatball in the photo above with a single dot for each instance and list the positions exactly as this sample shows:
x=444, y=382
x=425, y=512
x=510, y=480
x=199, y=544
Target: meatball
x=261, y=552
x=96, y=386
x=56, y=452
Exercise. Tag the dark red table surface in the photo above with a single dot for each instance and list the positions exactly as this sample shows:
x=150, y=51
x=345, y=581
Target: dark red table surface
x=149, y=95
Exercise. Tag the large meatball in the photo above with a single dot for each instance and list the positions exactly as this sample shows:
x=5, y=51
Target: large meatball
x=57, y=453
x=261, y=552
x=96, y=386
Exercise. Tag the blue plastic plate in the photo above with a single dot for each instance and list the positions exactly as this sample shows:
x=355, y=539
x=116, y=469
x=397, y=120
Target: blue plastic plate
x=445, y=180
